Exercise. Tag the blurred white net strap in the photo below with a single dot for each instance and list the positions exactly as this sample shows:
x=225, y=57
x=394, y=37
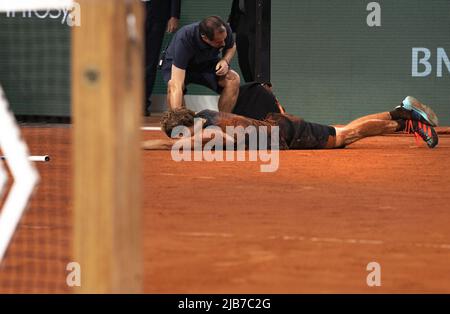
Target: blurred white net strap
x=78, y=60
x=24, y=174
x=35, y=73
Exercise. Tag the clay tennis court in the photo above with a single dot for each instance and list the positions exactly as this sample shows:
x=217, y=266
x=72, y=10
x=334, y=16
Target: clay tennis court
x=225, y=227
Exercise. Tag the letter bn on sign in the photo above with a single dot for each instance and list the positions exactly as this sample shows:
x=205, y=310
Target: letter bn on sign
x=421, y=65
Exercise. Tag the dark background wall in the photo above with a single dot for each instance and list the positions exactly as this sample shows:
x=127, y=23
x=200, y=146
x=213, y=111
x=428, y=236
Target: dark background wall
x=328, y=65
x=35, y=65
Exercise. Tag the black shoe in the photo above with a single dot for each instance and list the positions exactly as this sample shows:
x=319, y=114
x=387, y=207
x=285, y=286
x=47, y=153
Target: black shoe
x=412, y=109
x=421, y=130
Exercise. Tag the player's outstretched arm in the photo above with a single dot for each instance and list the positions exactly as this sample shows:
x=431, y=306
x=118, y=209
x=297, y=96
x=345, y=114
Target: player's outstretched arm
x=166, y=144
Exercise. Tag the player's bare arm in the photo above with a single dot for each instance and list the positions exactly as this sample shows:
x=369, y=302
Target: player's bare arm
x=167, y=144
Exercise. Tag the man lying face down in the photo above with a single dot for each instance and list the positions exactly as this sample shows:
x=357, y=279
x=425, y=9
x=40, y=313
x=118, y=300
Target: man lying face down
x=293, y=132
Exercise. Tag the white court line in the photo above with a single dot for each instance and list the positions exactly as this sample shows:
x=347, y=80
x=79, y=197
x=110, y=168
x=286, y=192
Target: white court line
x=151, y=128
x=321, y=240
x=207, y=234
x=186, y=175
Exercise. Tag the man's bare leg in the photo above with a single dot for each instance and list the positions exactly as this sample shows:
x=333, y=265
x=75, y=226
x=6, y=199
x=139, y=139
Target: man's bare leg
x=410, y=109
x=228, y=98
x=377, y=116
x=356, y=131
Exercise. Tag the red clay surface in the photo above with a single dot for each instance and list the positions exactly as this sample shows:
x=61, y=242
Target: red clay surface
x=41, y=248
x=225, y=227
x=312, y=226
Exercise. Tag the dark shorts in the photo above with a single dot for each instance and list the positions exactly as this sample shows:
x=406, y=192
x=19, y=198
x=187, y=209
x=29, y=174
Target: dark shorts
x=207, y=77
x=296, y=133
x=314, y=136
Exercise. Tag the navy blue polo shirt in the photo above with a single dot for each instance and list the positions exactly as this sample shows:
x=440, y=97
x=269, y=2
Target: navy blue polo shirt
x=189, y=52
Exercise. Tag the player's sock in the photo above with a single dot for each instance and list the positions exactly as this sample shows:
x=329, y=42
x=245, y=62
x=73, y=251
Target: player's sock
x=412, y=109
x=400, y=113
x=401, y=125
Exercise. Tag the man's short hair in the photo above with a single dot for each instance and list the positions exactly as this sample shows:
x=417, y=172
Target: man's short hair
x=176, y=117
x=210, y=25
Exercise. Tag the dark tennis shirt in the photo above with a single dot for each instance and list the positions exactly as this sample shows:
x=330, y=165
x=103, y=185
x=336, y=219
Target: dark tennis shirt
x=254, y=101
x=294, y=132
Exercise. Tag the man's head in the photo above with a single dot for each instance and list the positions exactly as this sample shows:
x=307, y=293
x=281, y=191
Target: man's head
x=176, y=117
x=213, y=31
